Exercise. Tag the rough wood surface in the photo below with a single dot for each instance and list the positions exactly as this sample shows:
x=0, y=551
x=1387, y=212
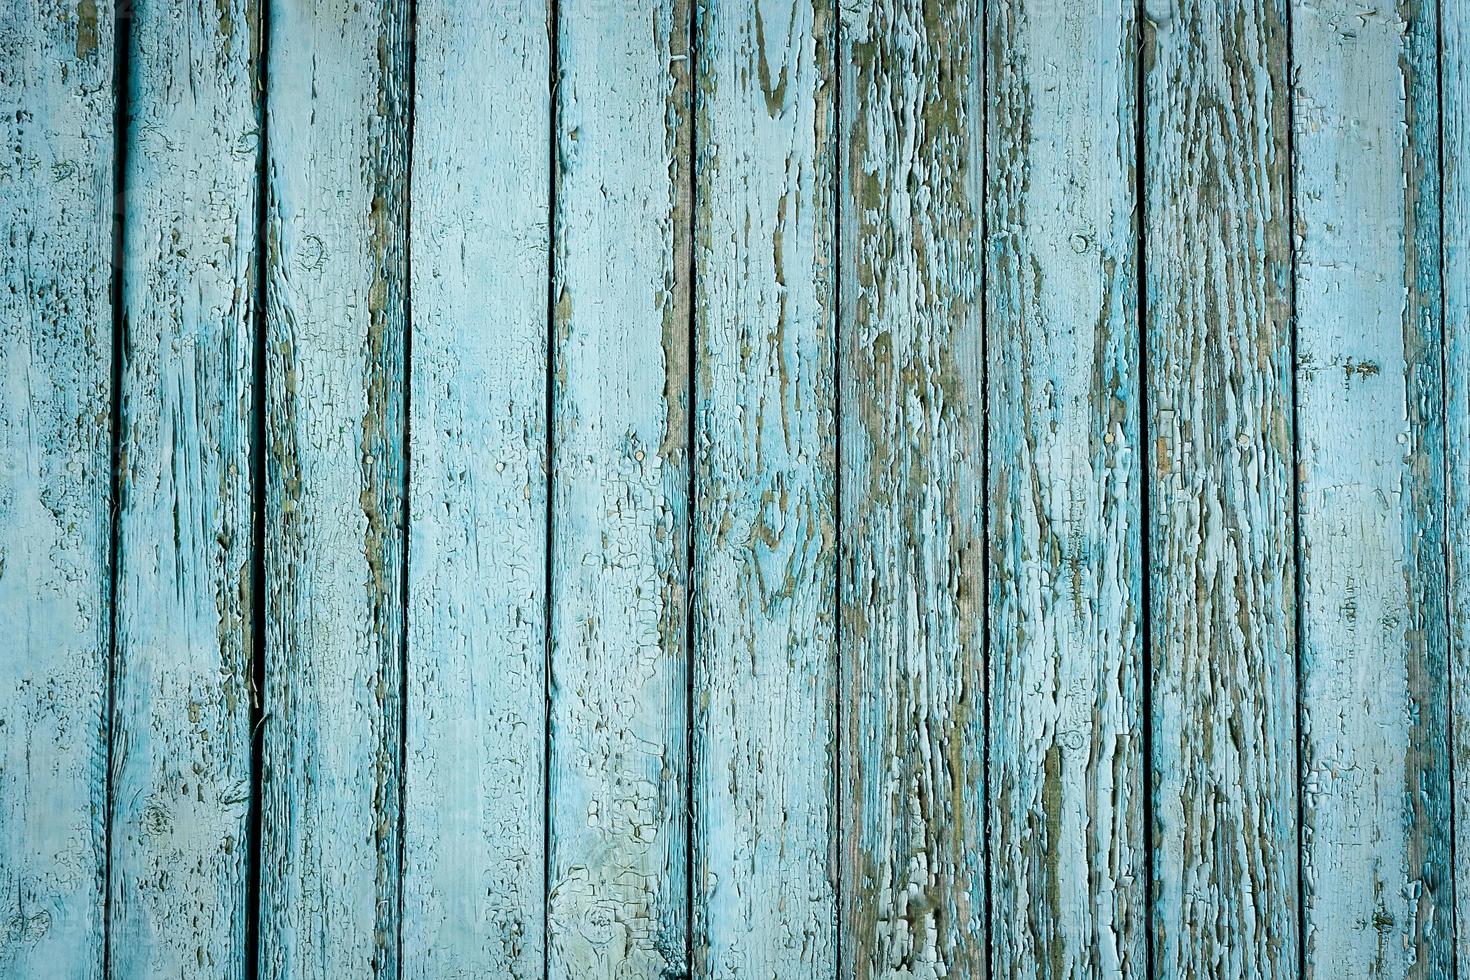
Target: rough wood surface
x=1455, y=249
x=1375, y=776
x=182, y=748
x=765, y=541
x=1067, y=777
x=337, y=166
x=474, y=796
x=913, y=861
x=617, y=865
x=1219, y=472
x=799, y=488
x=56, y=195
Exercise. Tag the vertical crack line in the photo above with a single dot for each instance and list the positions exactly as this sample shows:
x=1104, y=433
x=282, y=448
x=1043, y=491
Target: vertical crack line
x=1298, y=601
x=409, y=53
x=837, y=185
x=1448, y=477
x=1145, y=501
x=260, y=320
x=549, y=410
x=986, y=647
x=121, y=59
x=691, y=506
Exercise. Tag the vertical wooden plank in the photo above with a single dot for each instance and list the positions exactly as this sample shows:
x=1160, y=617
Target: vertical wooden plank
x=1455, y=249
x=913, y=678
x=1066, y=575
x=56, y=192
x=1376, y=859
x=337, y=158
x=182, y=752
x=765, y=538
x=1221, y=576
x=474, y=802
x=620, y=484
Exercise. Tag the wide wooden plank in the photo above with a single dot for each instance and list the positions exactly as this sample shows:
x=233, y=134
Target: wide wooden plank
x=1219, y=484
x=1067, y=775
x=913, y=683
x=183, y=686
x=618, y=874
x=1375, y=775
x=765, y=538
x=337, y=164
x=56, y=198
x=1455, y=248
x=474, y=803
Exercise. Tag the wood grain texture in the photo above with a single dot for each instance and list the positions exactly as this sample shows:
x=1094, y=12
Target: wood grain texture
x=1376, y=860
x=618, y=872
x=1067, y=772
x=913, y=677
x=1221, y=576
x=56, y=194
x=337, y=166
x=1455, y=250
x=765, y=626
x=183, y=687
x=474, y=805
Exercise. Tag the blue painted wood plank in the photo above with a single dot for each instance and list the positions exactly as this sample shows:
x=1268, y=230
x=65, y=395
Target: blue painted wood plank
x=337, y=164
x=1219, y=472
x=913, y=676
x=620, y=486
x=1375, y=778
x=474, y=795
x=1067, y=770
x=183, y=686
x=765, y=535
x=1455, y=249
x=56, y=193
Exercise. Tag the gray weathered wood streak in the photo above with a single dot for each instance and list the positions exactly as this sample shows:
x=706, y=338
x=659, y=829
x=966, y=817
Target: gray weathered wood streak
x=182, y=752
x=337, y=161
x=1221, y=578
x=913, y=684
x=765, y=540
x=473, y=887
x=620, y=487
x=1067, y=772
x=1376, y=860
x=56, y=192
x=1455, y=249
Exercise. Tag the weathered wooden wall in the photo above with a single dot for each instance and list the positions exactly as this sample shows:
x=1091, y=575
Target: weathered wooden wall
x=777, y=489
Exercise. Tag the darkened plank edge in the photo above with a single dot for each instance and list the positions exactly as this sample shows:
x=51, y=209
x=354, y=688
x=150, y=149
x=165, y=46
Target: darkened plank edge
x=553, y=154
x=839, y=529
x=987, y=659
x=1145, y=464
x=1451, y=375
x=122, y=26
x=259, y=489
x=1298, y=625
x=692, y=65
x=405, y=504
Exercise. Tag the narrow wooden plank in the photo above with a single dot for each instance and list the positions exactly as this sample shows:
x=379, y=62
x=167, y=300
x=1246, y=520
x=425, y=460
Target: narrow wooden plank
x=56, y=194
x=765, y=539
x=1067, y=770
x=618, y=897
x=1221, y=575
x=1455, y=249
x=1376, y=860
x=182, y=757
x=474, y=803
x=913, y=681
x=337, y=158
